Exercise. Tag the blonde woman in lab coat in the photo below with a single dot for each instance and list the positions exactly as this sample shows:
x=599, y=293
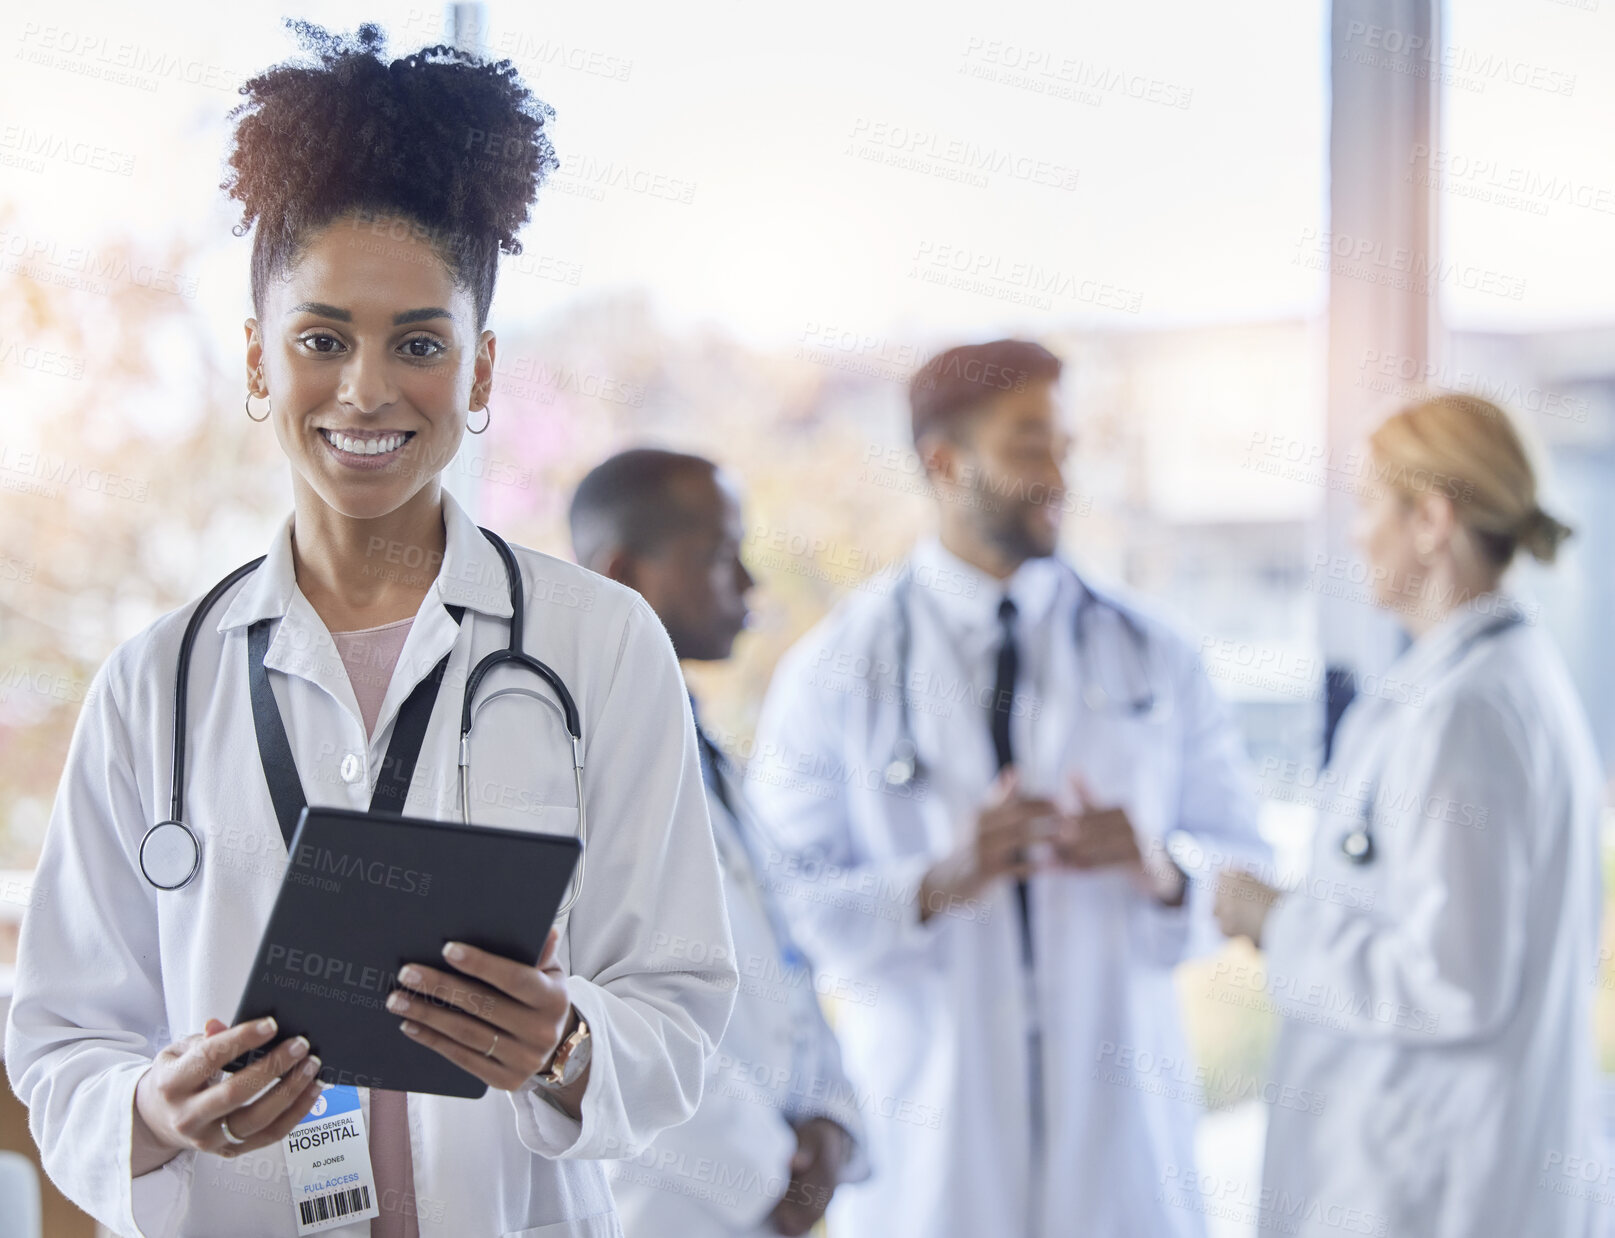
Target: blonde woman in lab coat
x=384, y=193
x=1436, y=976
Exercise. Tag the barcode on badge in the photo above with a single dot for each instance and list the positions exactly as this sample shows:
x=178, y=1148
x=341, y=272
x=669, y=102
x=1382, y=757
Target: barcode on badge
x=336, y=1204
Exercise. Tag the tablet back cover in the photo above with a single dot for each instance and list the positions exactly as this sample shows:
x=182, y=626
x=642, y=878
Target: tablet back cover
x=363, y=895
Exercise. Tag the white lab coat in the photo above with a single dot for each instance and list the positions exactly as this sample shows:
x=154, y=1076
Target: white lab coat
x=723, y=1171
x=942, y=1058
x=1439, y=998
x=110, y=969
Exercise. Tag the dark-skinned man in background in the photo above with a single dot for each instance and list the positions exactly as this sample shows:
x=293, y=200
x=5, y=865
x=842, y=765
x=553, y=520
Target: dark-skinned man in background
x=778, y=1126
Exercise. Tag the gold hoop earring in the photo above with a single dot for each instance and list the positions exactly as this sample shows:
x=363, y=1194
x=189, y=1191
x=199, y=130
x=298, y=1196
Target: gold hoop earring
x=485, y=421
x=247, y=404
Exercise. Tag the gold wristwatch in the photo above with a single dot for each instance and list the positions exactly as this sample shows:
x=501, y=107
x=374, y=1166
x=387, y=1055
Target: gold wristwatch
x=570, y=1060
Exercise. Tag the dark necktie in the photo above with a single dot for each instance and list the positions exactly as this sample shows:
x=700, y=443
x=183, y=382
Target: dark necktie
x=1009, y=660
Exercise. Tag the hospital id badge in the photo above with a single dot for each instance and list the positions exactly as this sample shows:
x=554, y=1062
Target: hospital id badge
x=328, y=1161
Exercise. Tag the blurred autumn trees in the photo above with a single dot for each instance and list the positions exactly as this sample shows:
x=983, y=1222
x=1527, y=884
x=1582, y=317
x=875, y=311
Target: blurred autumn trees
x=121, y=464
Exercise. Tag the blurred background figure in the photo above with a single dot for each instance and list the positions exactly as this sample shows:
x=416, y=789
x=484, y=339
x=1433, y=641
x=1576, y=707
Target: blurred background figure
x=778, y=1127
x=1435, y=968
x=975, y=766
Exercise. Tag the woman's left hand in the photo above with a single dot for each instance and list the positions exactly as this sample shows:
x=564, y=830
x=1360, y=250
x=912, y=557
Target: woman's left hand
x=507, y=1017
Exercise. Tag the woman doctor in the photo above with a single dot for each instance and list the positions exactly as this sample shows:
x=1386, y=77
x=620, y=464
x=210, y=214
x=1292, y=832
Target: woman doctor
x=384, y=193
x=1436, y=969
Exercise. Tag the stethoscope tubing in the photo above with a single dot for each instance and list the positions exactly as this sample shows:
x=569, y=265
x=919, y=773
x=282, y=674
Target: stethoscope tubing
x=162, y=839
x=1357, y=844
x=903, y=768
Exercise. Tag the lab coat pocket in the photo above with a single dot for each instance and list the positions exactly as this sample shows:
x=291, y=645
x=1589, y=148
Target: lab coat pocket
x=600, y=1225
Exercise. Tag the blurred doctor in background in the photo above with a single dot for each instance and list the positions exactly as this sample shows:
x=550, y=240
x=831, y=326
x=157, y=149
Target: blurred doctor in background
x=974, y=763
x=778, y=1127
x=1441, y=1006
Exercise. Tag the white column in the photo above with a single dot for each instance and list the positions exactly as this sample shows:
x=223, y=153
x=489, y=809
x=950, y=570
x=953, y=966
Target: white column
x=465, y=26
x=1384, y=93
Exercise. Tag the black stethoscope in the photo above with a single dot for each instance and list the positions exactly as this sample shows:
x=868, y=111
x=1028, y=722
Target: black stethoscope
x=1357, y=845
x=171, y=853
x=904, y=767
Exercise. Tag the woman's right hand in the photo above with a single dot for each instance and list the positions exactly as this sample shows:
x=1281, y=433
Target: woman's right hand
x=1243, y=903
x=184, y=1099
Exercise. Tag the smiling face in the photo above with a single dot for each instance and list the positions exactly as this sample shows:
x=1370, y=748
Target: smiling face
x=369, y=353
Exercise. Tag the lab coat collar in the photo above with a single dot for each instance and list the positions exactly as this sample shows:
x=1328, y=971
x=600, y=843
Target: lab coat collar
x=471, y=574
x=968, y=597
x=1428, y=652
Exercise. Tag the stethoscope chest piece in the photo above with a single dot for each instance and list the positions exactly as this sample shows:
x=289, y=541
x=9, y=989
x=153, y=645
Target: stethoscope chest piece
x=170, y=855
x=904, y=765
x=1358, y=846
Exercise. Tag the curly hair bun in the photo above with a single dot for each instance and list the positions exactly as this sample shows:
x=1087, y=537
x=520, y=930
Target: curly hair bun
x=441, y=137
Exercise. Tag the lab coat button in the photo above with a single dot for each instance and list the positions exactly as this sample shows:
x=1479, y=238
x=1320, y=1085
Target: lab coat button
x=352, y=768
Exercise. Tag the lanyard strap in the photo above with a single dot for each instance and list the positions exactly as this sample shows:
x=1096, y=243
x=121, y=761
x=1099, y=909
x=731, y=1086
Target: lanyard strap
x=738, y=832
x=275, y=750
x=712, y=759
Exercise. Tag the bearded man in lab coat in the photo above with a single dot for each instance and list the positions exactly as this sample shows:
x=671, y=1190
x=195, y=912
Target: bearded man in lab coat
x=778, y=1126
x=974, y=763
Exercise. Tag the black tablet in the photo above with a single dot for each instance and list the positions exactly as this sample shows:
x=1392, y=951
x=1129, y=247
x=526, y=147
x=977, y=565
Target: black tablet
x=366, y=893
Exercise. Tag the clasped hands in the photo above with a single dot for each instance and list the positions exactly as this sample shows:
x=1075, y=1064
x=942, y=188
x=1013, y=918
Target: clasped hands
x=1018, y=835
